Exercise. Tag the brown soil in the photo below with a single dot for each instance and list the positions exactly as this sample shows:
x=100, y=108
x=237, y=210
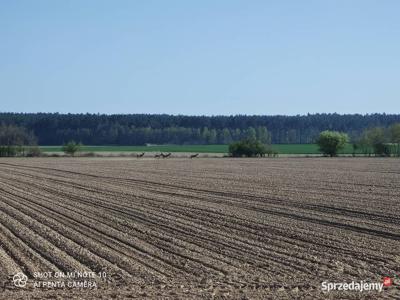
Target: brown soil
x=202, y=228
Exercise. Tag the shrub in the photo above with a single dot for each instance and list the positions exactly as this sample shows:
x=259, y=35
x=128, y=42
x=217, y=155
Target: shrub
x=331, y=142
x=71, y=148
x=247, y=148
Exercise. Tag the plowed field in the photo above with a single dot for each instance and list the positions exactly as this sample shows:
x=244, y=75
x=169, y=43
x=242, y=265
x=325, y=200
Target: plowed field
x=201, y=228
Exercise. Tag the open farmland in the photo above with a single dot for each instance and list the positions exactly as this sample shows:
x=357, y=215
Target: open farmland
x=201, y=228
x=223, y=149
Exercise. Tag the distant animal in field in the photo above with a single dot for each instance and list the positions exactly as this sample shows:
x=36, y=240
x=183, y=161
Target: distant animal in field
x=165, y=155
x=140, y=155
x=157, y=156
x=194, y=155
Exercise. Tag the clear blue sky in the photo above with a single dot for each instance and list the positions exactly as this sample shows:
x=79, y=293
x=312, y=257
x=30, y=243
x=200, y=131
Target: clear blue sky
x=200, y=57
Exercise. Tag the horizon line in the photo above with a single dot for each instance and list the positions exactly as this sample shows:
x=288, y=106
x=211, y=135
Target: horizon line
x=203, y=115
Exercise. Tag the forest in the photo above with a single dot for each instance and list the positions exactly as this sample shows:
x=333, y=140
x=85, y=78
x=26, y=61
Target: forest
x=141, y=129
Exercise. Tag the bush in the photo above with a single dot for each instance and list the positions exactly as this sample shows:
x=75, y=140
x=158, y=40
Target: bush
x=71, y=148
x=331, y=142
x=247, y=148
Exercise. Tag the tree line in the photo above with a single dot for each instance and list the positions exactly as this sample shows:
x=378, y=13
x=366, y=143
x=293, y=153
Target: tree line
x=381, y=141
x=14, y=141
x=140, y=129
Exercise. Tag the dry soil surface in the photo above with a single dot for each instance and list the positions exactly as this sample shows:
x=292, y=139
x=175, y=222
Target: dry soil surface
x=198, y=229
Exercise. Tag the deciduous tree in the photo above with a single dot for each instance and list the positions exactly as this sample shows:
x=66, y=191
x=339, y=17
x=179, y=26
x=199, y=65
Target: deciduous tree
x=331, y=142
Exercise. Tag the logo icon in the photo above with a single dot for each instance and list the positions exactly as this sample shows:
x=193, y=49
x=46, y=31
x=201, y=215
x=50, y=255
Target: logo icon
x=387, y=281
x=20, y=280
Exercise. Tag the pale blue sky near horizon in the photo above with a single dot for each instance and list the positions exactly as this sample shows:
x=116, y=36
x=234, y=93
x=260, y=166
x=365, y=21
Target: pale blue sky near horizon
x=200, y=57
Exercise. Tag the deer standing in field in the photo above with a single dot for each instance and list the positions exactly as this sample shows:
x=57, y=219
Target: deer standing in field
x=194, y=155
x=140, y=155
x=165, y=155
x=157, y=156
